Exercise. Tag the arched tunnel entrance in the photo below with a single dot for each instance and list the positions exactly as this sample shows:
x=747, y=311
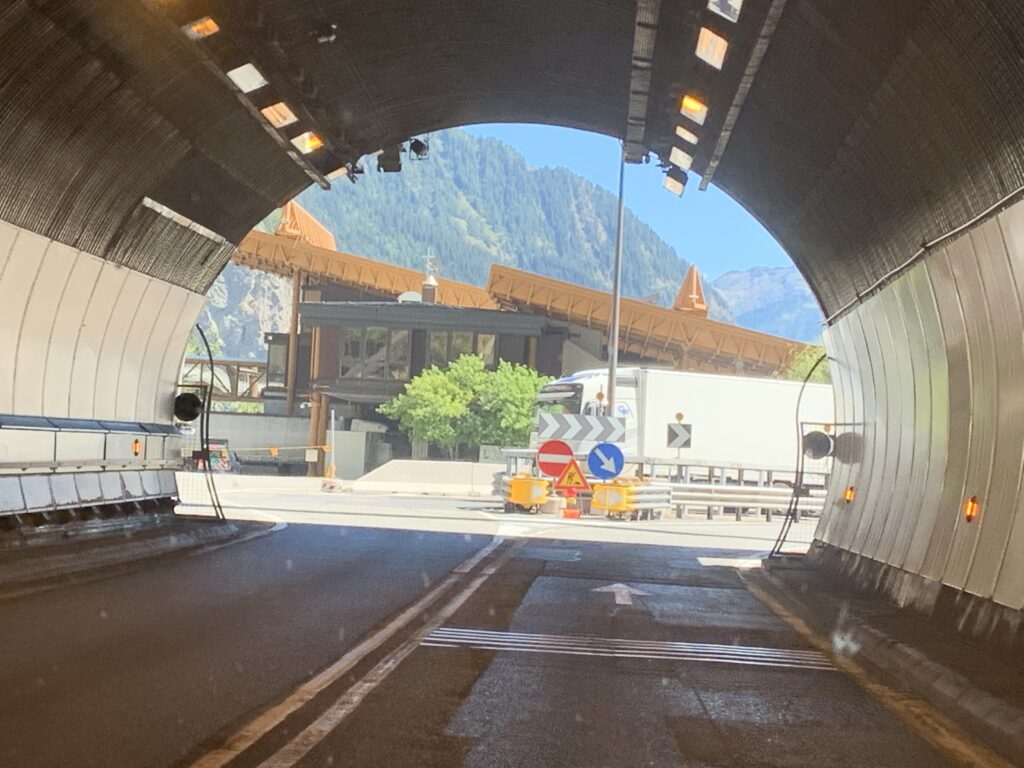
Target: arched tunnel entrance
x=879, y=142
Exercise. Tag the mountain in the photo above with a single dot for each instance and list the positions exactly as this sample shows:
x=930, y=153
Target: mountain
x=774, y=300
x=474, y=201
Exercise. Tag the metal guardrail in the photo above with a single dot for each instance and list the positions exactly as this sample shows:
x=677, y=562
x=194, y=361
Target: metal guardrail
x=744, y=496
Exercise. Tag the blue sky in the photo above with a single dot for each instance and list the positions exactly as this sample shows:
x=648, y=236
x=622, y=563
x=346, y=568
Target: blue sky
x=706, y=228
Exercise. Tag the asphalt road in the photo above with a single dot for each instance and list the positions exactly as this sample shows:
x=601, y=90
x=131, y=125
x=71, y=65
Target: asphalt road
x=546, y=652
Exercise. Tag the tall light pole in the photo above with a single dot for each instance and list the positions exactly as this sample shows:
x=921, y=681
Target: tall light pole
x=613, y=330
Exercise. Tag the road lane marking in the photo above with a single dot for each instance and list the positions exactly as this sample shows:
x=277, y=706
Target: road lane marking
x=313, y=734
x=623, y=593
x=926, y=721
x=256, y=729
x=587, y=645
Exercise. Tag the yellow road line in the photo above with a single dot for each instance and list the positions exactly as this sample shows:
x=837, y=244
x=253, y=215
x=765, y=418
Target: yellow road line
x=926, y=721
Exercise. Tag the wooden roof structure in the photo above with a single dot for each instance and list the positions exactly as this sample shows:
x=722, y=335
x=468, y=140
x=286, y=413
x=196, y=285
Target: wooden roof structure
x=300, y=245
x=684, y=339
x=681, y=336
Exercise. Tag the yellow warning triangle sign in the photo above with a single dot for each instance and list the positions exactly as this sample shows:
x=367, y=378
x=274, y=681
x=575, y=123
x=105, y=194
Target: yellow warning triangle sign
x=572, y=478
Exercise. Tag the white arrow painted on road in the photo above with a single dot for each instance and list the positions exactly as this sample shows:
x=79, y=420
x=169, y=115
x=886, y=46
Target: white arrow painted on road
x=608, y=465
x=623, y=593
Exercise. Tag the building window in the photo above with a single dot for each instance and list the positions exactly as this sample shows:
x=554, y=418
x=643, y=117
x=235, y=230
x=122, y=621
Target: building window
x=351, y=353
x=277, y=363
x=485, y=348
x=398, y=355
x=375, y=356
x=438, y=349
x=462, y=344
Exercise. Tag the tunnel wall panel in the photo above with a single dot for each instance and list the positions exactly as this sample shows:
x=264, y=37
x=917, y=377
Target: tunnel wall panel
x=931, y=416
x=67, y=329
x=89, y=339
x=930, y=372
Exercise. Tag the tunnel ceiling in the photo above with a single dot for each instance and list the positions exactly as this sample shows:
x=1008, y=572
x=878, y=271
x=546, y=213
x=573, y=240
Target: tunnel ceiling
x=869, y=128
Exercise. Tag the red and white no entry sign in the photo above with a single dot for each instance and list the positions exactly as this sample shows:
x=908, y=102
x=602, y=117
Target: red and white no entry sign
x=552, y=456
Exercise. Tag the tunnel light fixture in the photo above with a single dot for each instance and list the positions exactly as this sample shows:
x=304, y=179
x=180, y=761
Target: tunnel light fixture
x=247, y=78
x=136, y=447
x=693, y=108
x=279, y=115
x=849, y=494
x=972, y=508
x=675, y=181
x=307, y=142
x=727, y=9
x=681, y=159
x=201, y=28
x=711, y=48
x=687, y=135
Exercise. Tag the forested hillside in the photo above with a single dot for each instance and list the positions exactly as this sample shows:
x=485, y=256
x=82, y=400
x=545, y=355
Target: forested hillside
x=474, y=202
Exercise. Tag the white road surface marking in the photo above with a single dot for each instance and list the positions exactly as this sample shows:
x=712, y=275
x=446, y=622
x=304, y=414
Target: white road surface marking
x=587, y=645
x=271, y=718
x=623, y=593
x=299, y=747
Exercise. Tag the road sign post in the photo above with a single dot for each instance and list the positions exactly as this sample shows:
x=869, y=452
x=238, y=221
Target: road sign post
x=606, y=461
x=577, y=426
x=552, y=457
x=679, y=435
x=570, y=482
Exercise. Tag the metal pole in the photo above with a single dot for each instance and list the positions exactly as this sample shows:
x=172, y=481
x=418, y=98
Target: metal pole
x=613, y=331
x=293, y=344
x=334, y=460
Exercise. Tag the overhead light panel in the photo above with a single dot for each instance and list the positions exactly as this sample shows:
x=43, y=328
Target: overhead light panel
x=687, y=135
x=680, y=159
x=201, y=28
x=711, y=48
x=279, y=115
x=727, y=9
x=693, y=108
x=307, y=142
x=247, y=78
x=675, y=181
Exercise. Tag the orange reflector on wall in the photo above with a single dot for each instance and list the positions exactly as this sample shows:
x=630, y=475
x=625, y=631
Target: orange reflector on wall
x=972, y=508
x=136, y=447
x=849, y=494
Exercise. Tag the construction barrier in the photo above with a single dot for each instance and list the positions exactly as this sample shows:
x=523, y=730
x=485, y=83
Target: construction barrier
x=622, y=498
x=524, y=491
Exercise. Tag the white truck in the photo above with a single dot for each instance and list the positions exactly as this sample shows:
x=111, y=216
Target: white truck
x=736, y=421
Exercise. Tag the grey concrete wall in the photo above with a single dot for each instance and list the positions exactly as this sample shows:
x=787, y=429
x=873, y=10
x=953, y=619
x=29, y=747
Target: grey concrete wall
x=929, y=378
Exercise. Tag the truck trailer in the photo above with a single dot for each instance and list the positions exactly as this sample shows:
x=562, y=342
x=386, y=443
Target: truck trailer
x=734, y=421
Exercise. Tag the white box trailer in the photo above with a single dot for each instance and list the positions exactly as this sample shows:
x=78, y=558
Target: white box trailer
x=736, y=421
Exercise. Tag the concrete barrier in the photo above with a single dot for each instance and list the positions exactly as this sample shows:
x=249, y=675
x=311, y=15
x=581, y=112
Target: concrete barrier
x=192, y=488
x=435, y=478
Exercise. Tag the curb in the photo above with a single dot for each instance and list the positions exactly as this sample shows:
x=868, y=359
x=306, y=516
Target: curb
x=56, y=565
x=997, y=721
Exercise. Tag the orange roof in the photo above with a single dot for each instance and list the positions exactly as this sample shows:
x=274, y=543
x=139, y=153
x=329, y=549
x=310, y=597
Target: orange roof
x=684, y=339
x=299, y=223
x=691, y=295
x=287, y=256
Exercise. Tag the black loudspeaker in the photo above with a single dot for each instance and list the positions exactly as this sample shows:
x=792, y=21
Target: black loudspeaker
x=818, y=445
x=187, y=406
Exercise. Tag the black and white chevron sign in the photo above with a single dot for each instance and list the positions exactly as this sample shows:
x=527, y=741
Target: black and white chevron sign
x=575, y=426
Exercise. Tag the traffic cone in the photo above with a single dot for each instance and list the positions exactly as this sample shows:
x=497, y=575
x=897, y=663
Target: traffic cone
x=571, y=511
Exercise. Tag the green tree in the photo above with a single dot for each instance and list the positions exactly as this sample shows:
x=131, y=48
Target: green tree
x=467, y=405
x=801, y=362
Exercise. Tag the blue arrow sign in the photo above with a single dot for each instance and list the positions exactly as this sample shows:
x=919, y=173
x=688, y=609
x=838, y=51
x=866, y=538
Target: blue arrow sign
x=605, y=461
